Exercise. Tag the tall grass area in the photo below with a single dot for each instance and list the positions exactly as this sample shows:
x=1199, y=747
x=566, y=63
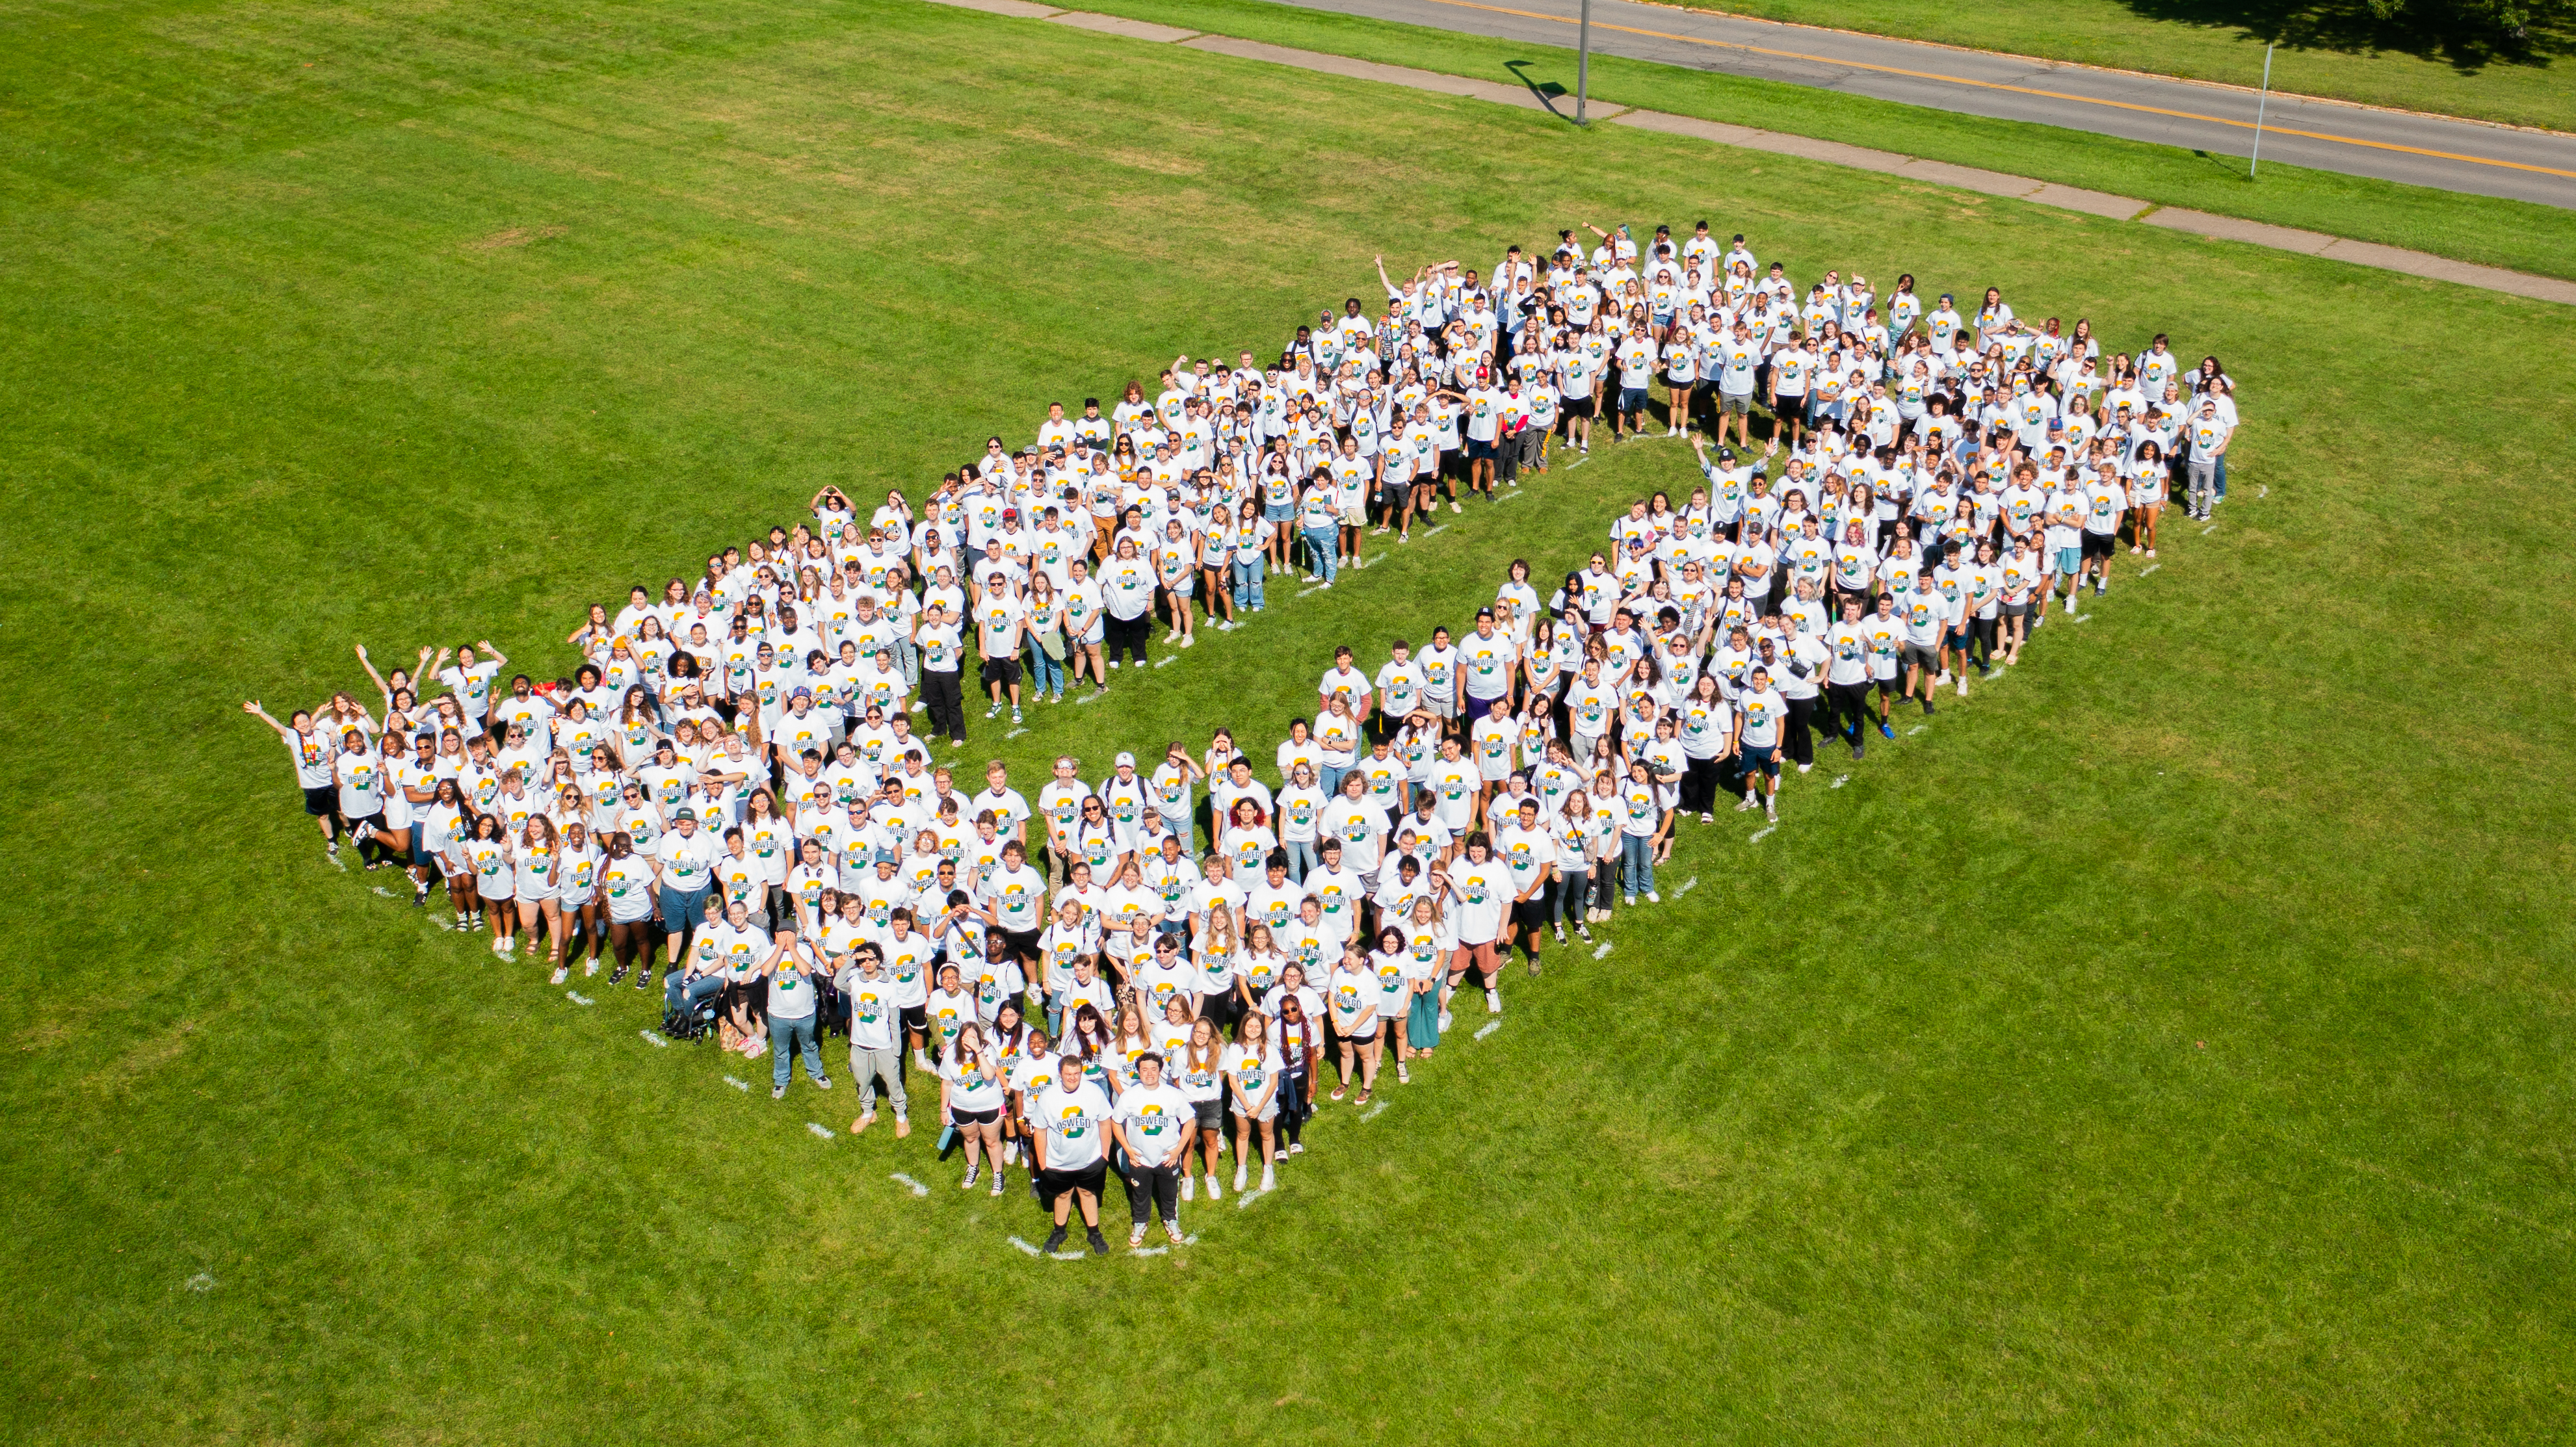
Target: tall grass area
x=2168, y=1042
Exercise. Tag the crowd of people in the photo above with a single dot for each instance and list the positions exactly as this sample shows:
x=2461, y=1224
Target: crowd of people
x=740, y=792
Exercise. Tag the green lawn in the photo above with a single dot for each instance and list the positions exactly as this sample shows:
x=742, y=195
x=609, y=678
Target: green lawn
x=2338, y=48
x=2167, y=1044
x=2520, y=235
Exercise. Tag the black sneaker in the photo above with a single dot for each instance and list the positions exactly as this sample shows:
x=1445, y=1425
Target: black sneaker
x=1927, y=707
x=1056, y=1240
x=1099, y=1243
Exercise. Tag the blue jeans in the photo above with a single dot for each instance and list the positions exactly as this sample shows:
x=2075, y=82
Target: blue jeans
x=797, y=1035
x=1247, y=582
x=1301, y=857
x=1572, y=888
x=1046, y=675
x=678, y=988
x=1178, y=826
x=1322, y=544
x=1636, y=864
x=1331, y=780
x=908, y=658
x=2222, y=477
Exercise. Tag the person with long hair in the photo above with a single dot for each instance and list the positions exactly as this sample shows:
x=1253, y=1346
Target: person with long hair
x=1252, y=1071
x=971, y=1098
x=1351, y=994
x=1301, y=1046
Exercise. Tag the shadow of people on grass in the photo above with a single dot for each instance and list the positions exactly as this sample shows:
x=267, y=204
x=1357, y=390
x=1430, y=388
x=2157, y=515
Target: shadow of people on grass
x=2467, y=35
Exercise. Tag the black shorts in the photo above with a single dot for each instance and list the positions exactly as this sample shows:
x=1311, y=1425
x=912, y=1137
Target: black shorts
x=975, y=1117
x=1576, y=407
x=1530, y=914
x=2098, y=545
x=1479, y=451
x=1022, y=943
x=916, y=1018
x=1053, y=1184
x=1762, y=757
x=322, y=800
x=1002, y=672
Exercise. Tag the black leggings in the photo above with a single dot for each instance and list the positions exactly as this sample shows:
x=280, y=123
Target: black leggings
x=1802, y=714
x=1128, y=635
x=1700, y=781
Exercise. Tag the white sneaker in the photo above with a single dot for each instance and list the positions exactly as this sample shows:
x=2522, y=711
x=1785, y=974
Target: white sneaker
x=590, y=969
x=1240, y=1176
x=1454, y=506
x=1772, y=809
x=1941, y=678
x=1213, y=1193
x=560, y=975
x=1172, y=1231
x=1810, y=768
x=1963, y=685
x=1444, y=1022
x=1493, y=1001
x=1269, y=1179
x=1189, y=1187
x=1747, y=804
x=1653, y=898
x=1135, y=1238
x=918, y=706
x=1296, y=1148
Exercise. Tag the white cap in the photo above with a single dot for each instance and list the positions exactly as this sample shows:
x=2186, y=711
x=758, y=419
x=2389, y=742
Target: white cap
x=1127, y=759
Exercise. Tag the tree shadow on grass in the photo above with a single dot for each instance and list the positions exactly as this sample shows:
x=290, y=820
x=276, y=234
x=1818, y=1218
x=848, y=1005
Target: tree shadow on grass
x=2426, y=29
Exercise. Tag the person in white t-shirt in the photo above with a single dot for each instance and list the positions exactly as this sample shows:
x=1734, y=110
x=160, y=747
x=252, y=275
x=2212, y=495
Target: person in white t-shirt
x=1072, y=1123
x=1252, y=1070
x=1760, y=712
x=1153, y=1127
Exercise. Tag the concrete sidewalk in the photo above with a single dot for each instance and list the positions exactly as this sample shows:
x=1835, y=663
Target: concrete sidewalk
x=1967, y=178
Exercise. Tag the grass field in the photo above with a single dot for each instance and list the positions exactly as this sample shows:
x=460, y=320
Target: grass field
x=2520, y=235
x=2423, y=62
x=2168, y=1044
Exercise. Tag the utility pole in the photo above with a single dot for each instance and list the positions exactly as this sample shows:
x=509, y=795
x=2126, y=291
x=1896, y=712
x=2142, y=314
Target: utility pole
x=1583, y=64
x=2260, y=107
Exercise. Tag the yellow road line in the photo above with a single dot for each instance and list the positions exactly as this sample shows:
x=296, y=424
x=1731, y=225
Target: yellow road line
x=2017, y=89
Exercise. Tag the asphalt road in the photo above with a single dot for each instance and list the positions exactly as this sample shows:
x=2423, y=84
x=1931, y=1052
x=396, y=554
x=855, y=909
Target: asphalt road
x=2321, y=135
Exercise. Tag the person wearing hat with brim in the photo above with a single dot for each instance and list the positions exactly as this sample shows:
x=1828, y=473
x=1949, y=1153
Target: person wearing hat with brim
x=684, y=866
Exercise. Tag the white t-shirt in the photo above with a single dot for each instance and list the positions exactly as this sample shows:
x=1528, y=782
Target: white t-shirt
x=1155, y=1117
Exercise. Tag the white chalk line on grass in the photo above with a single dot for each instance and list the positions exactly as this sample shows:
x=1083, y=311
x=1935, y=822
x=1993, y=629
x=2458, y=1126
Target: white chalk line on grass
x=579, y=998
x=2149, y=568
x=1089, y=698
x=201, y=1283
x=1602, y=950
x=820, y=1129
x=2266, y=492
x=2205, y=532
x=1027, y=1247
x=1918, y=728
x=909, y=1184
x=2079, y=617
x=1839, y=781
x=387, y=893
x=1167, y=660
x=1435, y=532
x=1687, y=886
x=1763, y=834
x=1244, y=1199
x=1490, y=1027
x=1015, y=733
x=738, y=1083
x=1373, y=1111
x=656, y=1041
